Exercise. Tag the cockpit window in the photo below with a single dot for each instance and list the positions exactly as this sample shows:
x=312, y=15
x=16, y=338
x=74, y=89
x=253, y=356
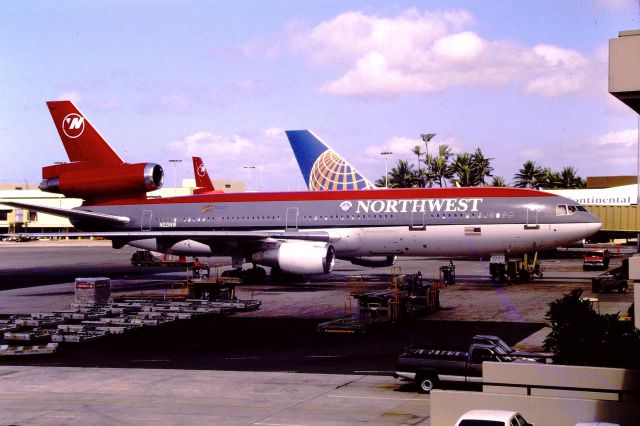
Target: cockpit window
x=563, y=209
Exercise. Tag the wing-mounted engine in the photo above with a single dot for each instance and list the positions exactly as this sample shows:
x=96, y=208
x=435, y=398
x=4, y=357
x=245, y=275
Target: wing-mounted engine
x=299, y=257
x=96, y=182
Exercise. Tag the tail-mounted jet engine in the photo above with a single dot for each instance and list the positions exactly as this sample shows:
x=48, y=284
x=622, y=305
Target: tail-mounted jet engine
x=300, y=258
x=97, y=181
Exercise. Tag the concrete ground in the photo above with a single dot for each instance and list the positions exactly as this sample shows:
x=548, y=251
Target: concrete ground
x=32, y=394
x=96, y=396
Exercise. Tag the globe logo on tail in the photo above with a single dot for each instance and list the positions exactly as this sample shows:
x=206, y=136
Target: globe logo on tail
x=330, y=172
x=201, y=170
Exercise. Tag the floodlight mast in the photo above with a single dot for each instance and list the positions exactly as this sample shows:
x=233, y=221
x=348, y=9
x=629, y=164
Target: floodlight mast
x=386, y=169
x=175, y=182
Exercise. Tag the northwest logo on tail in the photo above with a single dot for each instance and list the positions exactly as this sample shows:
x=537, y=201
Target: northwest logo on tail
x=73, y=125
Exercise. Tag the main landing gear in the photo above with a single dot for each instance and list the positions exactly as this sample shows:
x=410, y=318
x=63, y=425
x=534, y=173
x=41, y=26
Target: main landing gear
x=255, y=275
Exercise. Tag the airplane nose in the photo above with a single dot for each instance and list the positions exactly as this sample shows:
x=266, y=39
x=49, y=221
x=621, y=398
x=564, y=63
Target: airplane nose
x=588, y=229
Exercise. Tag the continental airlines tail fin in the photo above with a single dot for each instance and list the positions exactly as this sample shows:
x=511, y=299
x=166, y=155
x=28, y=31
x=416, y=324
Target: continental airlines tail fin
x=80, y=139
x=324, y=169
x=203, y=182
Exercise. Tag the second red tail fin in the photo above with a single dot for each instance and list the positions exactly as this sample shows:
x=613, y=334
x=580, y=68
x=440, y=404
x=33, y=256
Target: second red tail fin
x=203, y=182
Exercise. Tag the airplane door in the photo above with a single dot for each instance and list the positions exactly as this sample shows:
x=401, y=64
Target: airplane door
x=291, y=220
x=418, y=222
x=532, y=216
x=145, y=220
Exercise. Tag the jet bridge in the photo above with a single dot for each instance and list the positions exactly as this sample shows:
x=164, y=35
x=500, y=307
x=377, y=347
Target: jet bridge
x=624, y=84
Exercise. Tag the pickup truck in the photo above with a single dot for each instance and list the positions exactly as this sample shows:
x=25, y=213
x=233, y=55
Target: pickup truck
x=429, y=366
x=596, y=259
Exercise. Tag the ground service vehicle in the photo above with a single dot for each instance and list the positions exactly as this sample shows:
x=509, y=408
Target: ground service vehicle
x=430, y=366
x=492, y=418
x=609, y=282
x=144, y=258
x=596, y=259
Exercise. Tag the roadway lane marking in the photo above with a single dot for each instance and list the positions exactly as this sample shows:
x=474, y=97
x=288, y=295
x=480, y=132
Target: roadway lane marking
x=277, y=424
x=376, y=397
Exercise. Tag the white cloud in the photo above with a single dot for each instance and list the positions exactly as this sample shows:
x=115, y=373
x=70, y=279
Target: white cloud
x=613, y=151
x=618, y=5
x=205, y=143
x=227, y=156
x=624, y=138
x=564, y=71
x=422, y=52
x=70, y=96
x=274, y=132
x=461, y=47
x=531, y=154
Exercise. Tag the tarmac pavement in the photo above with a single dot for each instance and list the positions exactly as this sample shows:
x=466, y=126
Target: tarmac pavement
x=263, y=367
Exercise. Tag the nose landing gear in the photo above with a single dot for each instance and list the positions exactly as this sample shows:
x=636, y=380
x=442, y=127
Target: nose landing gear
x=507, y=270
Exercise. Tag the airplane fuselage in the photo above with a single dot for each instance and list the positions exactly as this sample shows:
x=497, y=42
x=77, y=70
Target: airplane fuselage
x=448, y=221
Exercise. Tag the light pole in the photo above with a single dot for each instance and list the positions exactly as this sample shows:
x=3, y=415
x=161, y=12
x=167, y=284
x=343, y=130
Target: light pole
x=386, y=169
x=175, y=181
x=250, y=173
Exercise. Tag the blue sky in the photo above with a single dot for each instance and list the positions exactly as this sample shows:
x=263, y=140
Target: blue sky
x=223, y=80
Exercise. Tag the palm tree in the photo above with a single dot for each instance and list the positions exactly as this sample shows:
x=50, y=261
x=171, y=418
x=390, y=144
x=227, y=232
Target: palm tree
x=498, y=181
x=531, y=175
x=463, y=170
x=380, y=182
x=403, y=175
x=421, y=178
x=481, y=166
x=551, y=179
x=426, y=138
x=417, y=150
x=568, y=178
x=441, y=169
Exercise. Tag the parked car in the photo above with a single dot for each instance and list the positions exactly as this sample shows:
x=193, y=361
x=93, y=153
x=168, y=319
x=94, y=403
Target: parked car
x=596, y=259
x=492, y=418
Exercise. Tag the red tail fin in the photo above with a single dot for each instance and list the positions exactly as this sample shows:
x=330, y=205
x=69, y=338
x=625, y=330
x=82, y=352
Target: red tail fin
x=81, y=141
x=203, y=182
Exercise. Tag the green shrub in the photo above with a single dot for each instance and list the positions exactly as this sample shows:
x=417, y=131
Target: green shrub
x=581, y=336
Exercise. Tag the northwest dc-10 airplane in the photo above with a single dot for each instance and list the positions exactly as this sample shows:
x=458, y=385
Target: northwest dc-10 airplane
x=295, y=232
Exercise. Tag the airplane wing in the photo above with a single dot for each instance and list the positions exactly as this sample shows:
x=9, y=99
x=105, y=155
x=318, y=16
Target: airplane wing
x=131, y=235
x=194, y=235
x=69, y=213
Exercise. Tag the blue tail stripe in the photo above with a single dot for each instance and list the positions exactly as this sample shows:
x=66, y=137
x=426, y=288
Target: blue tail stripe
x=331, y=171
x=307, y=148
